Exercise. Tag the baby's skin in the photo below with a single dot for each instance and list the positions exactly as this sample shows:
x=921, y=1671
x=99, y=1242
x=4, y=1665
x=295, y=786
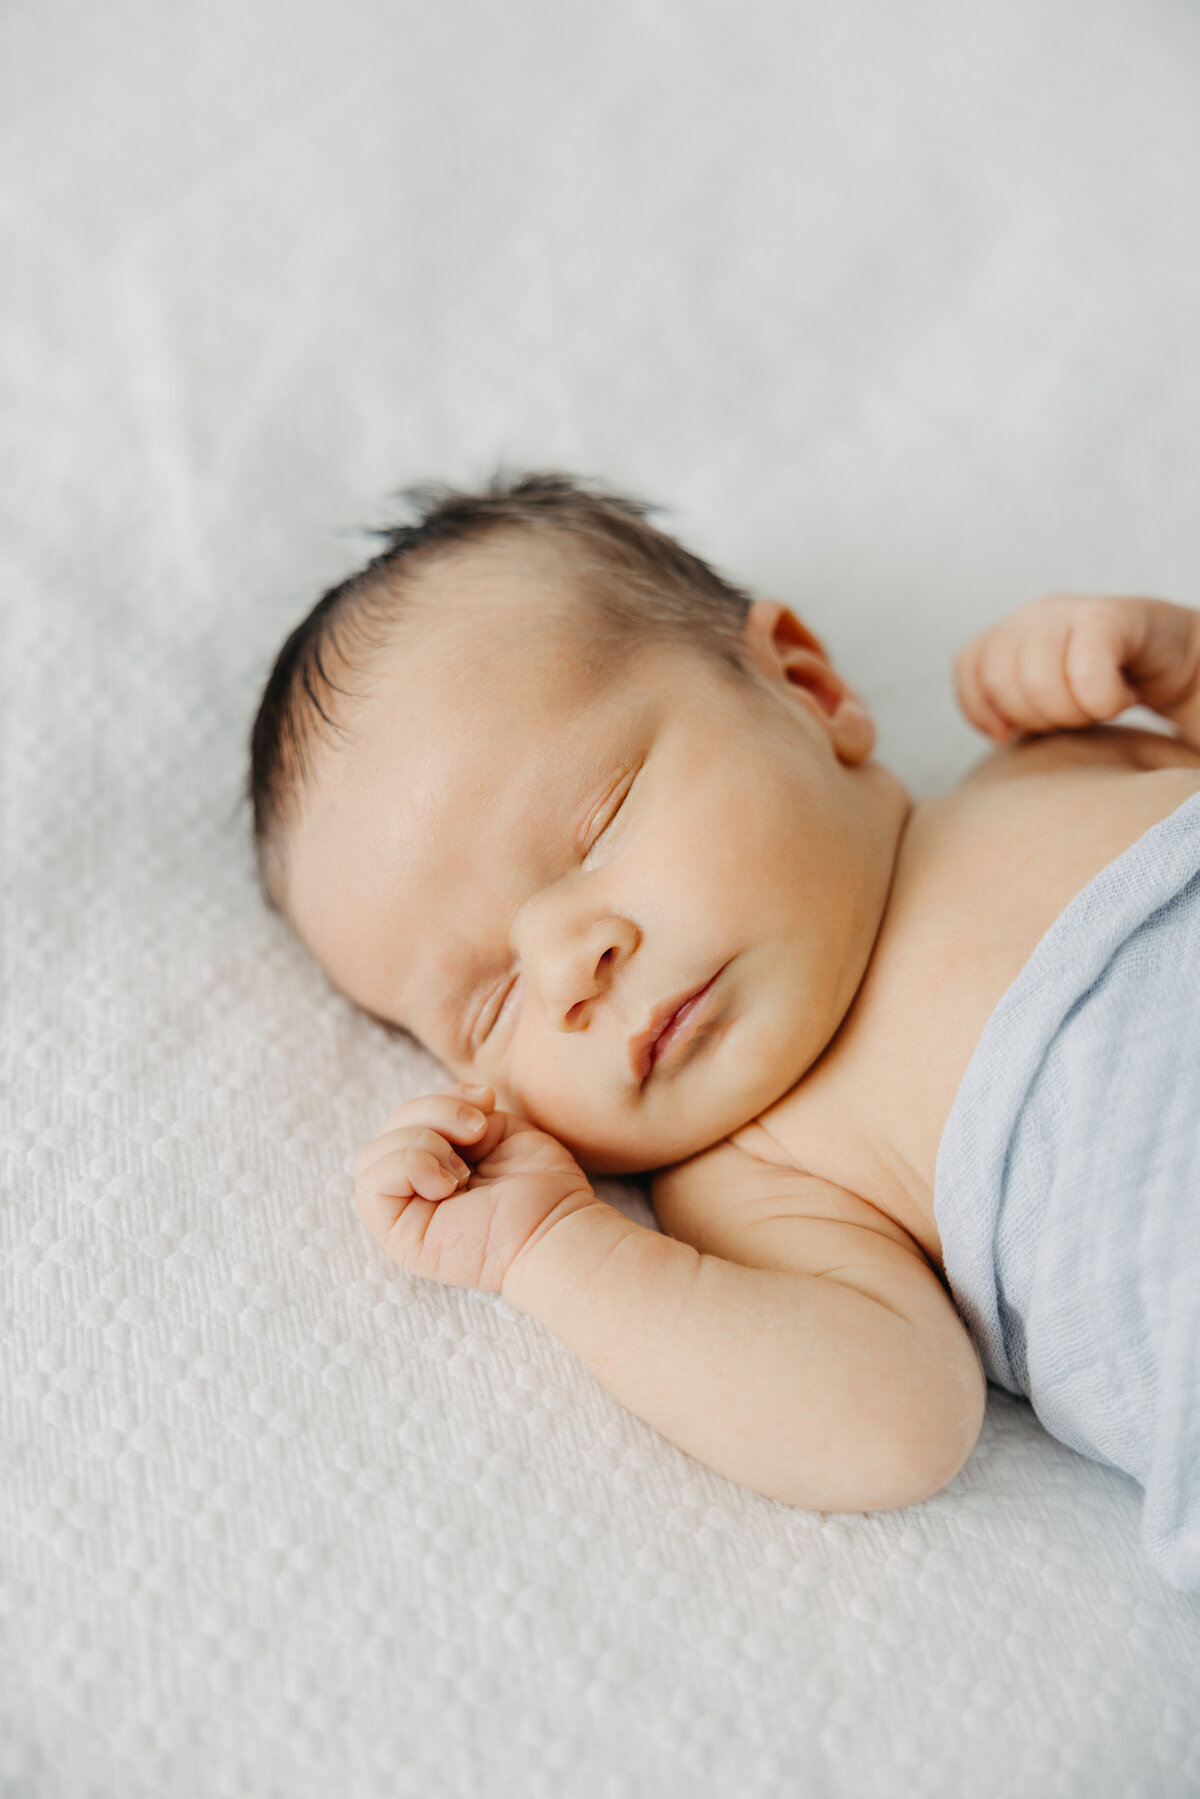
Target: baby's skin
x=660, y=917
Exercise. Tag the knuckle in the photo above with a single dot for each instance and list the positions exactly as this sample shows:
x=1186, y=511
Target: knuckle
x=1042, y=679
x=396, y=1119
x=367, y=1188
x=415, y=1112
x=410, y=1137
x=1097, y=619
x=991, y=686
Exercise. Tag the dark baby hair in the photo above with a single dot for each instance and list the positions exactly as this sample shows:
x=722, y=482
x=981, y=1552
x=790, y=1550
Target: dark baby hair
x=637, y=582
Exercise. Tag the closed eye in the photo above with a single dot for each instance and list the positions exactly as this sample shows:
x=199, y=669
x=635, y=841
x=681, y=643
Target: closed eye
x=610, y=811
x=497, y=1008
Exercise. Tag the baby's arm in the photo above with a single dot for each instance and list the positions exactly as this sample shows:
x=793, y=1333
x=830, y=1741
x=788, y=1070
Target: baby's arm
x=1070, y=661
x=852, y=1388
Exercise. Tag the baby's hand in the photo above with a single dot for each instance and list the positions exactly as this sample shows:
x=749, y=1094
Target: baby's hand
x=454, y=1190
x=1069, y=661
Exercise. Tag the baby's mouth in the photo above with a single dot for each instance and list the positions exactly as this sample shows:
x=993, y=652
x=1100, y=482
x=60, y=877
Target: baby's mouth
x=670, y=1030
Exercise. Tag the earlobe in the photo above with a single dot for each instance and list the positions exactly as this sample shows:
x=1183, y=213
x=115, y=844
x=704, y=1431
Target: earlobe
x=854, y=731
x=782, y=648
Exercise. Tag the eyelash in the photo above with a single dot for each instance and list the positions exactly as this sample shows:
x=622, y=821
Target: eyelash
x=494, y=1020
x=623, y=795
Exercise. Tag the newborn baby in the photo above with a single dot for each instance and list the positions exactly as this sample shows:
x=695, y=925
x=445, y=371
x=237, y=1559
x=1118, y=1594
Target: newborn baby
x=608, y=836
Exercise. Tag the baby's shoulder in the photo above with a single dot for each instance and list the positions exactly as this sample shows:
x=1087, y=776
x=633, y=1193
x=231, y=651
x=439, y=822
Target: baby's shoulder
x=1031, y=825
x=1112, y=748
x=748, y=1182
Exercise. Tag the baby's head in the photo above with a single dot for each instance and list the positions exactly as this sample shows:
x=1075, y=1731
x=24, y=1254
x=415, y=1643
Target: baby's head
x=540, y=787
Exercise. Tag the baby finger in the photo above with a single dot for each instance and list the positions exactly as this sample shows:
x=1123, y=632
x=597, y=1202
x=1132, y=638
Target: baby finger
x=461, y=1114
x=429, y=1175
x=393, y=1163
x=999, y=679
x=976, y=707
x=1041, y=671
x=1095, y=651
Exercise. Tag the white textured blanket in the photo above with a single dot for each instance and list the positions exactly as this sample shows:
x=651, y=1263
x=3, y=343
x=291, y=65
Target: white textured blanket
x=897, y=305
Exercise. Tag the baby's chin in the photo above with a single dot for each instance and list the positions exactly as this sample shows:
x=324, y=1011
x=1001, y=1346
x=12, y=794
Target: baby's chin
x=666, y=1152
x=686, y=1116
x=597, y=1149
x=644, y=1145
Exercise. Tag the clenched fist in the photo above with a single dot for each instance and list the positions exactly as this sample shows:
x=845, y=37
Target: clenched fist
x=455, y=1191
x=1072, y=660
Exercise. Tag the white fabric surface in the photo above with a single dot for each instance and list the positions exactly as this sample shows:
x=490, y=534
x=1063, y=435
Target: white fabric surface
x=897, y=306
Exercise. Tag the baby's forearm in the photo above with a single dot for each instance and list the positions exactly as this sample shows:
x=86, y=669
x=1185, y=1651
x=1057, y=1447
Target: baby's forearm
x=790, y=1384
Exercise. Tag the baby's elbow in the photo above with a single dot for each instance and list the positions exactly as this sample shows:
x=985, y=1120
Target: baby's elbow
x=923, y=1435
x=891, y=1463
x=945, y=1429
x=889, y=1441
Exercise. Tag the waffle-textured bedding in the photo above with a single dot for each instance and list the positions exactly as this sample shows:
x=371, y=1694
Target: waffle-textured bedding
x=896, y=306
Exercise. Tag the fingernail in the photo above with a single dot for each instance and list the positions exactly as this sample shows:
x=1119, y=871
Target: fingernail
x=473, y=1087
x=469, y=1117
x=459, y=1166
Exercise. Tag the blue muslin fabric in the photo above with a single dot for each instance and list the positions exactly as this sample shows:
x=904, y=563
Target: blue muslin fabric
x=1067, y=1191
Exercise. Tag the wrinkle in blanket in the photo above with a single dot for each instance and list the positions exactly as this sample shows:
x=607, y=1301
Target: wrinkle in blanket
x=1068, y=1183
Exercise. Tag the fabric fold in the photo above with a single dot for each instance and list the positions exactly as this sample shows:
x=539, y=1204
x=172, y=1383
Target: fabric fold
x=1067, y=1191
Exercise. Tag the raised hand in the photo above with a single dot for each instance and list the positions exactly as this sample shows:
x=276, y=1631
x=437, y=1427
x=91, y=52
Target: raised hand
x=454, y=1190
x=1074, y=660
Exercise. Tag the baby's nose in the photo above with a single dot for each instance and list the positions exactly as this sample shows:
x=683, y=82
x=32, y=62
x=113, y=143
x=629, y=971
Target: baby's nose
x=583, y=968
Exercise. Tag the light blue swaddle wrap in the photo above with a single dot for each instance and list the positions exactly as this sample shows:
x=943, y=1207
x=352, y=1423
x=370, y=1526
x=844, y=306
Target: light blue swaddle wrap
x=1067, y=1191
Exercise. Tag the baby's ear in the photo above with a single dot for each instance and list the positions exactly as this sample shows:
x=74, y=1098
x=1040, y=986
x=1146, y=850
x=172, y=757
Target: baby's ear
x=783, y=649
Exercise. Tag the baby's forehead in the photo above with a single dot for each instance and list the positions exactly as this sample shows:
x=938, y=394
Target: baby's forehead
x=514, y=585
x=459, y=783
x=492, y=660
x=482, y=630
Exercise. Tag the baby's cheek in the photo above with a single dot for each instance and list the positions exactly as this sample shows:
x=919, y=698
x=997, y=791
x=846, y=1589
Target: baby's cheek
x=508, y=1101
x=604, y=1134
x=564, y=1107
x=512, y=1094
